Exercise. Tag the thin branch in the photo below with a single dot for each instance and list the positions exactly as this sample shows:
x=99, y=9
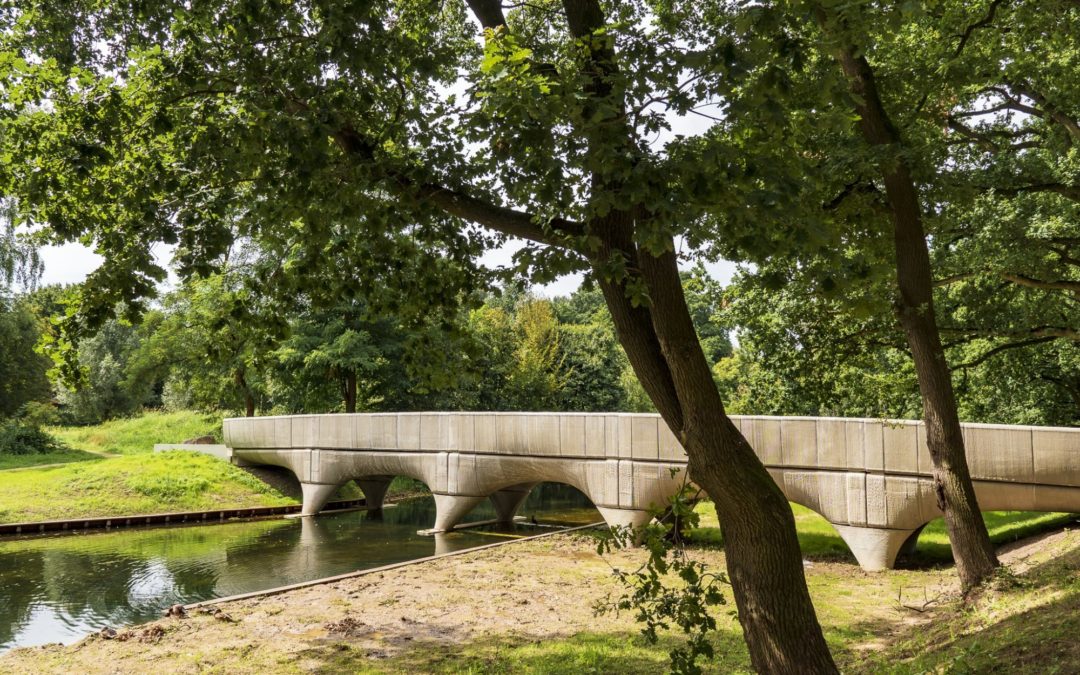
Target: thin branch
x=1001, y=348
x=982, y=23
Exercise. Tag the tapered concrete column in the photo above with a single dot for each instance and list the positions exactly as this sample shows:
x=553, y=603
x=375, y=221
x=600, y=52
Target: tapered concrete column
x=450, y=509
x=910, y=543
x=508, y=501
x=315, y=496
x=635, y=519
x=875, y=548
x=374, y=488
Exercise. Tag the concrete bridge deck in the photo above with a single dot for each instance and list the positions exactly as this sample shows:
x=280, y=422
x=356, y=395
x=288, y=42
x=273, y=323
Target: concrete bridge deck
x=869, y=478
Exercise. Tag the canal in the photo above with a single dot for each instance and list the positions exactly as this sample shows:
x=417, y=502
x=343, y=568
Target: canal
x=59, y=588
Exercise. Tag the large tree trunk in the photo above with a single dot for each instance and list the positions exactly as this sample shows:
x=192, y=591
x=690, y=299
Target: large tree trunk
x=350, y=391
x=764, y=562
x=972, y=549
x=249, y=400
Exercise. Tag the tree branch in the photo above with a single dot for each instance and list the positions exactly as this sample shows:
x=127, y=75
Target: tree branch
x=1001, y=348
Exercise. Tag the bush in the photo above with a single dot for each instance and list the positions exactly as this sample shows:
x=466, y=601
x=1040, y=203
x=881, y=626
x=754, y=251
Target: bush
x=19, y=438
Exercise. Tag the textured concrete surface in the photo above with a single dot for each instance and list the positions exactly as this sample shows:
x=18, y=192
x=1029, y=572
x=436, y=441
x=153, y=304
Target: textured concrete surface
x=869, y=478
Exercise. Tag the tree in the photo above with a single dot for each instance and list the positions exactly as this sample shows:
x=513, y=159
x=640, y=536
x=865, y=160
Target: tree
x=22, y=369
x=295, y=115
x=214, y=341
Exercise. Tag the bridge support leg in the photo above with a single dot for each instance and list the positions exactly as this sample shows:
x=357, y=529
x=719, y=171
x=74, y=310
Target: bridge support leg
x=626, y=518
x=875, y=548
x=374, y=488
x=450, y=509
x=315, y=496
x=908, y=548
x=508, y=501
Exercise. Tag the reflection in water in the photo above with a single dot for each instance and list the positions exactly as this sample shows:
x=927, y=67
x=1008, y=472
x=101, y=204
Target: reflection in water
x=59, y=588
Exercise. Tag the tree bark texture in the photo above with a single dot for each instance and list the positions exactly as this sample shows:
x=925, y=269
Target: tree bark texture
x=350, y=391
x=972, y=549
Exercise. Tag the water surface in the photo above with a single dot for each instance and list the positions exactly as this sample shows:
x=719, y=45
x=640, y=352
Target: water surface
x=59, y=588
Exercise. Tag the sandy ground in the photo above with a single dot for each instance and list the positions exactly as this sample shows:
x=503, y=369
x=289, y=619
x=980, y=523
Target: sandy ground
x=536, y=590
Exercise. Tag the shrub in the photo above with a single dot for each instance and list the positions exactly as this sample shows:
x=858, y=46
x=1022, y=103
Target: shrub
x=19, y=438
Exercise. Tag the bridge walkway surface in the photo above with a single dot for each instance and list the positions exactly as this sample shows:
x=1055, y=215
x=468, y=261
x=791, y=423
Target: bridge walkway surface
x=869, y=478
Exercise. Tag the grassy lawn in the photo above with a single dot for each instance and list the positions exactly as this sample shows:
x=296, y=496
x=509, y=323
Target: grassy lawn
x=819, y=540
x=23, y=461
x=147, y=483
x=139, y=434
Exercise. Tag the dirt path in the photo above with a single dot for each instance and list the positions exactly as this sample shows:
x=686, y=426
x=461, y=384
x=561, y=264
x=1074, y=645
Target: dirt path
x=527, y=607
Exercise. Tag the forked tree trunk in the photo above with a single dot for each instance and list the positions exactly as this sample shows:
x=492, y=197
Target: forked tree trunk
x=764, y=563
x=972, y=549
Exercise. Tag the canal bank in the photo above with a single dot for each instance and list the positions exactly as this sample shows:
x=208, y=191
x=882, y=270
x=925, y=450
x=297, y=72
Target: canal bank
x=530, y=608
x=59, y=588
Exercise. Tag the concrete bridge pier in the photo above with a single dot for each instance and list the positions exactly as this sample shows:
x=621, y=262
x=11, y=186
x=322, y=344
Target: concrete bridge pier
x=450, y=509
x=509, y=500
x=316, y=495
x=626, y=518
x=876, y=548
x=374, y=489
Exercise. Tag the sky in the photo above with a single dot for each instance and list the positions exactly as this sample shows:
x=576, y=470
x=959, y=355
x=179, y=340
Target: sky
x=72, y=262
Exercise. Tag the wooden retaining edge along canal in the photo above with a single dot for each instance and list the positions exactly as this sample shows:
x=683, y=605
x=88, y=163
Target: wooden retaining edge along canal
x=110, y=522
x=384, y=568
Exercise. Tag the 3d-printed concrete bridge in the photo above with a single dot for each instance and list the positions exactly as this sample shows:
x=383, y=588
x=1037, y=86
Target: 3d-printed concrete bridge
x=869, y=478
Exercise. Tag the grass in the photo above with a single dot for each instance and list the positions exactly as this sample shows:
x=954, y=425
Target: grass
x=134, y=435
x=64, y=457
x=819, y=540
x=1025, y=621
x=147, y=483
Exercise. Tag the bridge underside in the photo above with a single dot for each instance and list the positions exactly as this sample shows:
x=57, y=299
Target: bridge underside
x=878, y=503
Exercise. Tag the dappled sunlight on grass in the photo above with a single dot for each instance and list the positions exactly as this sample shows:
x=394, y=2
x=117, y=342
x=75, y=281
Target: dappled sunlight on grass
x=818, y=538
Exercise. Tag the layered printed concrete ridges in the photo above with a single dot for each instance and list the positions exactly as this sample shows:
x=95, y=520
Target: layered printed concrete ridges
x=544, y=433
x=856, y=473
x=670, y=448
x=900, y=447
x=832, y=443
x=611, y=436
x=384, y=432
x=922, y=451
x=877, y=513
x=765, y=437
x=798, y=442
x=1056, y=456
x=596, y=436
x=856, y=498
x=1000, y=454
x=903, y=509
x=873, y=445
x=644, y=437
x=572, y=436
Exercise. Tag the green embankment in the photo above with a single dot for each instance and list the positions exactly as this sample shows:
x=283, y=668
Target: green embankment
x=136, y=435
x=64, y=457
x=147, y=483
